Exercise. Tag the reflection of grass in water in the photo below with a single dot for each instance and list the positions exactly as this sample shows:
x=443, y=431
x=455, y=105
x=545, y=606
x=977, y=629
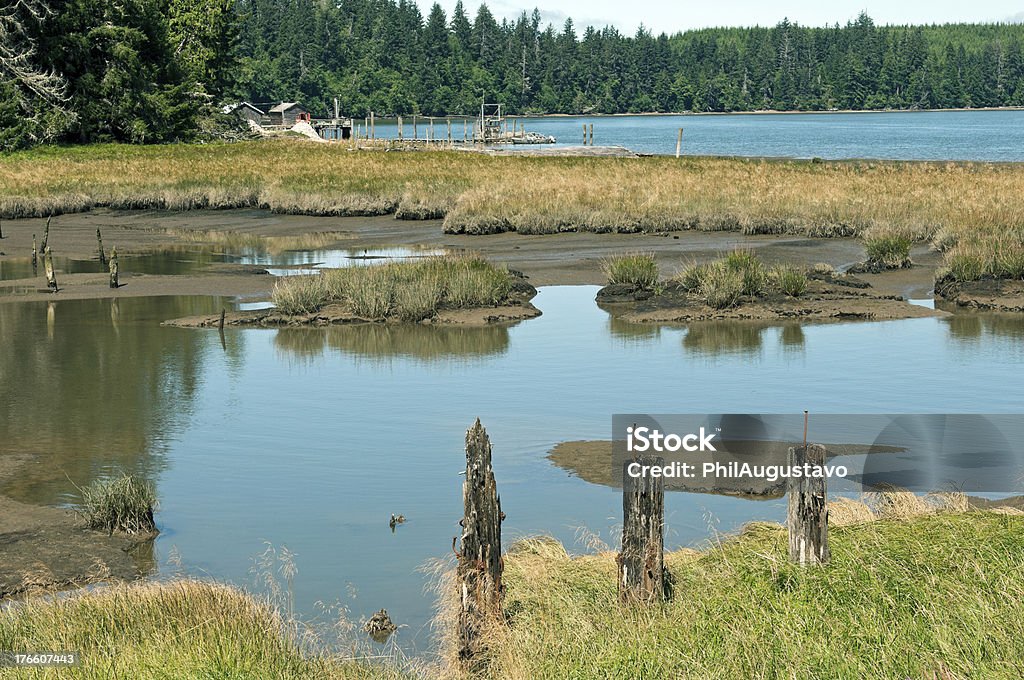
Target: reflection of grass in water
x=968, y=326
x=394, y=340
x=631, y=331
x=792, y=335
x=104, y=386
x=724, y=337
x=238, y=242
x=742, y=610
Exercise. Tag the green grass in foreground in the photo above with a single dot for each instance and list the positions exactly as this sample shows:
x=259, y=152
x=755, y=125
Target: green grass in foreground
x=936, y=596
x=410, y=291
x=183, y=629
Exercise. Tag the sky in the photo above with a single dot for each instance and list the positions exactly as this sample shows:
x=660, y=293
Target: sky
x=670, y=17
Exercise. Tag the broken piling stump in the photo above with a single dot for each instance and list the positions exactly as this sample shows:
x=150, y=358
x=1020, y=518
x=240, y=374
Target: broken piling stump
x=99, y=245
x=35, y=256
x=479, y=570
x=113, y=267
x=641, y=560
x=807, y=516
x=51, y=275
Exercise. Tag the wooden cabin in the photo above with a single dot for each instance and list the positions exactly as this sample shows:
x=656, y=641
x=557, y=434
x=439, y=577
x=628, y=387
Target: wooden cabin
x=246, y=111
x=286, y=114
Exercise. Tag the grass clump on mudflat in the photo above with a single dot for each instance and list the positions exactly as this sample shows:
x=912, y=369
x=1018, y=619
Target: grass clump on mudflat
x=635, y=269
x=992, y=257
x=181, y=629
x=932, y=596
x=888, y=251
x=124, y=503
x=410, y=291
x=740, y=273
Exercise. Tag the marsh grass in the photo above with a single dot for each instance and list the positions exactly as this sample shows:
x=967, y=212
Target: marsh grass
x=991, y=256
x=931, y=595
x=723, y=283
x=410, y=291
x=949, y=203
x=177, y=629
x=721, y=286
x=125, y=503
x=636, y=269
x=789, y=281
x=890, y=251
x=299, y=294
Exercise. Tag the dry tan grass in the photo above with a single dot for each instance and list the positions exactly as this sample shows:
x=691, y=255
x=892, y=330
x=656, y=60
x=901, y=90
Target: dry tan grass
x=956, y=204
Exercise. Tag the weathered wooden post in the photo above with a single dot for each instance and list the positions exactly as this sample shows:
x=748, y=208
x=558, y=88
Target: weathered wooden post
x=807, y=518
x=46, y=236
x=51, y=275
x=641, y=561
x=415, y=132
x=113, y=267
x=399, y=128
x=1, y=228
x=591, y=134
x=373, y=127
x=99, y=245
x=584, y=134
x=449, y=121
x=479, y=570
x=679, y=143
x=35, y=257
x=220, y=324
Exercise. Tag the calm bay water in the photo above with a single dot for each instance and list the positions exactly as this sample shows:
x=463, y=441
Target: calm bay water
x=916, y=135
x=310, y=438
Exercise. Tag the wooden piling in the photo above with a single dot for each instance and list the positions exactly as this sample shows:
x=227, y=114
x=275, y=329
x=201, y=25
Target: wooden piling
x=641, y=561
x=415, y=132
x=584, y=134
x=679, y=143
x=51, y=274
x=807, y=517
x=449, y=121
x=35, y=257
x=1, y=228
x=479, y=570
x=591, y=134
x=399, y=128
x=46, y=236
x=99, y=246
x=113, y=268
x=220, y=324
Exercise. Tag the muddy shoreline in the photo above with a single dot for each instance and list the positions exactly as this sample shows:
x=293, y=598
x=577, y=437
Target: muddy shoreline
x=986, y=295
x=45, y=548
x=572, y=258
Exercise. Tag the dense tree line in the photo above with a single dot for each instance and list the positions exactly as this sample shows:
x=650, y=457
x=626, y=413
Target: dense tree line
x=150, y=70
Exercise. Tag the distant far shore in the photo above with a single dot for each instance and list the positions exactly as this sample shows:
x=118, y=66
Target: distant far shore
x=773, y=112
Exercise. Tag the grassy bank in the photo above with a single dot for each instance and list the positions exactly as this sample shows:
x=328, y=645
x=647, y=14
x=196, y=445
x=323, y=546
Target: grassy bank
x=949, y=203
x=185, y=629
x=933, y=596
x=410, y=291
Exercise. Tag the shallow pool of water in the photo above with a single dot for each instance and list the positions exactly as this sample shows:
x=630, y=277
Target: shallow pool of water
x=310, y=438
x=189, y=260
